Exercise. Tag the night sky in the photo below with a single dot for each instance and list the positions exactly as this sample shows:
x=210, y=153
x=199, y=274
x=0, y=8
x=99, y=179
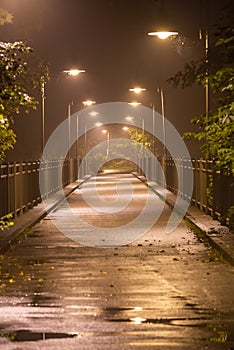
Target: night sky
x=107, y=38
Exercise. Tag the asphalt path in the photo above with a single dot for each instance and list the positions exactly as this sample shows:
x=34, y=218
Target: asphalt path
x=98, y=274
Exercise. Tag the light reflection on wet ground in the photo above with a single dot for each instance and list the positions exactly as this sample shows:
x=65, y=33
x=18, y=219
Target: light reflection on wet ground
x=157, y=293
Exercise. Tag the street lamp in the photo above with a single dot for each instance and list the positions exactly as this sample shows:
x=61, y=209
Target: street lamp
x=136, y=104
x=138, y=90
x=88, y=103
x=69, y=73
x=164, y=35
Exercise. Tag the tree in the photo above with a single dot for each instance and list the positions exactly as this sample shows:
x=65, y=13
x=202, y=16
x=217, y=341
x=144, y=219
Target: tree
x=17, y=81
x=217, y=70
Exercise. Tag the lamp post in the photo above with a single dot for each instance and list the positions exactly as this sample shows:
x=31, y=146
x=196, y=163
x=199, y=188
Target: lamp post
x=88, y=103
x=166, y=35
x=138, y=90
x=136, y=104
x=163, y=35
x=160, y=90
x=69, y=73
x=42, y=116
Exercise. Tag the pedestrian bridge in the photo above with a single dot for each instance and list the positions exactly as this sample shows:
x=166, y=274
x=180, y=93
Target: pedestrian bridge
x=20, y=186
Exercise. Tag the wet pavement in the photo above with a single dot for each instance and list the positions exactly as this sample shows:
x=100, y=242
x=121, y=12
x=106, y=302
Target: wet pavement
x=162, y=291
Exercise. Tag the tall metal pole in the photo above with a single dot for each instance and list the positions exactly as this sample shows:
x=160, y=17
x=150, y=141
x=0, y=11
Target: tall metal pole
x=164, y=133
x=163, y=121
x=207, y=84
x=204, y=35
x=85, y=135
x=42, y=116
x=153, y=145
x=77, y=136
x=69, y=127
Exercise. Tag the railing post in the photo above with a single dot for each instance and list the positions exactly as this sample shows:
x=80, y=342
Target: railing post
x=20, y=188
x=8, y=189
x=15, y=190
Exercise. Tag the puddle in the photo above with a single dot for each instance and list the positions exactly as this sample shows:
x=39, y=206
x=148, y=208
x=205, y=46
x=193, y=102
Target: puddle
x=25, y=335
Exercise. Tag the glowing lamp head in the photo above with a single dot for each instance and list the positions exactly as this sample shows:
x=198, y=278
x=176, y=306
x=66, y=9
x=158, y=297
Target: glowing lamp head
x=137, y=90
x=163, y=35
x=74, y=72
x=129, y=118
x=134, y=104
x=88, y=103
x=93, y=114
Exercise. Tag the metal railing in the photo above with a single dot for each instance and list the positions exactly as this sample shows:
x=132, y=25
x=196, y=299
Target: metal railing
x=213, y=191
x=19, y=183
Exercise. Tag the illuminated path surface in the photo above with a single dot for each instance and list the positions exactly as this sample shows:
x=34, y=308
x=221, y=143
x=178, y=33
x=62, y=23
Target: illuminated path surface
x=159, y=292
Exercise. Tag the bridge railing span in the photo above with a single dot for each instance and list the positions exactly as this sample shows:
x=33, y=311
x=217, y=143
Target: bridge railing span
x=213, y=191
x=19, y=183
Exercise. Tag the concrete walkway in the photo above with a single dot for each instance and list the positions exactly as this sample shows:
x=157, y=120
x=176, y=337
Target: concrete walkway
x=218, y=236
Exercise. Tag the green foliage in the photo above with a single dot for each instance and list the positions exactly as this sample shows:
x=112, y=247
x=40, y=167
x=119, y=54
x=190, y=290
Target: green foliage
x=7, y=136
x=139, y=137
x=14, y=79
x=216, y=129
x=17, y=80
x=188, y=76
